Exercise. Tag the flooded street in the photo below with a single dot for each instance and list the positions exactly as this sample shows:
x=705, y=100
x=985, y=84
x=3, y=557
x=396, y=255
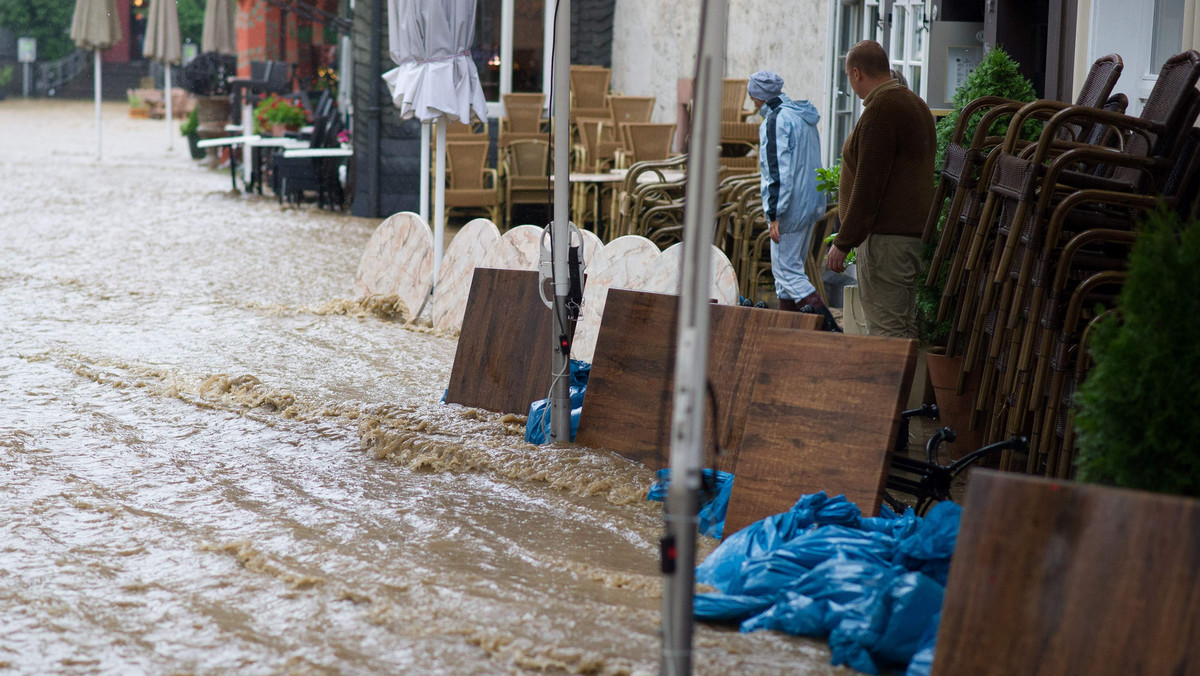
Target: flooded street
x=214, y=460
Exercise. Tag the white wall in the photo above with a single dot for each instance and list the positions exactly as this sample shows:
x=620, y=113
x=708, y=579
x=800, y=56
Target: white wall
x=654, y=44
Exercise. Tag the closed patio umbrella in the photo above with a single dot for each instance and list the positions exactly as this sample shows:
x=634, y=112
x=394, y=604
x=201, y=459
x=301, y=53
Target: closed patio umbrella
x=219, y=33
x=435, y=78
x=95, y=26
x=163, y=44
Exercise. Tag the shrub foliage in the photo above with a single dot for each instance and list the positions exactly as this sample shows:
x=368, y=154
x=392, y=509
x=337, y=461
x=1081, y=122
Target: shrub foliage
x=1137, y=423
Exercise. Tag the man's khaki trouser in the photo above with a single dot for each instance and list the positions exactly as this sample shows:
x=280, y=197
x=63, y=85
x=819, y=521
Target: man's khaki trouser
x=888, y=266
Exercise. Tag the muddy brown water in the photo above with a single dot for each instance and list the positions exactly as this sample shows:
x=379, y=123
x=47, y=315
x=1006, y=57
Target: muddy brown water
x=213, y=459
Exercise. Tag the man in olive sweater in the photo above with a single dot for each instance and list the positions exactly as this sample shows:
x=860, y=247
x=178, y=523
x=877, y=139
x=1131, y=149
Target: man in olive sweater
x=885, y=192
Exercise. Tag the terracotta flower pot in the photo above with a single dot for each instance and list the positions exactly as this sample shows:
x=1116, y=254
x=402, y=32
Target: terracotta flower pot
x=954, y=409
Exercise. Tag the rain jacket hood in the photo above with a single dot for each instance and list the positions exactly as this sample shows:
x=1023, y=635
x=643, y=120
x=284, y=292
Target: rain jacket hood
x=789, y=155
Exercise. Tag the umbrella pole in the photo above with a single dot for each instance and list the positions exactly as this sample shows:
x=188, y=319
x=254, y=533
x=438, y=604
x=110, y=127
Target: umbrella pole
x=96, y=84
x=687, y=419
x=167, y=96
x=439, y=200
x=425, y=140
x=560, y=234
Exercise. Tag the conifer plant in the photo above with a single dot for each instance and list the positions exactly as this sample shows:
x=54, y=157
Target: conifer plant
x=1137, y=424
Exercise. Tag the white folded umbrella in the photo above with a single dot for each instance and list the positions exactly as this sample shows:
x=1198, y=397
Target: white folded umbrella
x=434, y=79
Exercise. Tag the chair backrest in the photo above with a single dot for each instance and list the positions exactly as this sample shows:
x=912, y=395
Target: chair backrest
x=259, y=70
x=649, y=141
x=524, y=100
x=589, y=86
x=465, y=162
x=524, y=119
x=1170, y=100
x=1101, y=79
x=528, y=157
x=589, y=131
x=631, y=108
x=278, y=78
x=459, y=130
x=733, y=96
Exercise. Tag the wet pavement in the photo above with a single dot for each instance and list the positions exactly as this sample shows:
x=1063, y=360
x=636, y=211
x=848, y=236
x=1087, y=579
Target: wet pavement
x=213, y=459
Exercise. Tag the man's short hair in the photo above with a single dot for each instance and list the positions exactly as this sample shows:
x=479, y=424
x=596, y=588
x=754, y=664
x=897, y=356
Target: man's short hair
x=869, y=57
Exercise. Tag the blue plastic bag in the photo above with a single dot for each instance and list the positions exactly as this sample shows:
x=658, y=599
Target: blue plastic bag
x=930, y=547
x=778, y=569
x=822, y=597
x=716, y=607
x=873, y=585
x=713, y=502
x=922, y=661
x=891, y=629
x=537, y=427
x=721, y=569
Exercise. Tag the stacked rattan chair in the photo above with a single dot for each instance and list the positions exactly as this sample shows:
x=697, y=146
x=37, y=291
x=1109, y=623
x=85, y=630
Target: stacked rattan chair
x=1046, y=255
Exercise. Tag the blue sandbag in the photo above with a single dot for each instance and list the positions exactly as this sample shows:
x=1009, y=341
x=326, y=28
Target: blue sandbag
x=891, y=629
x=822, y=597
x=715, y=607
x=778, y=569
x=929, y=548
x=721, y=568
x=875, y=584
x=922, y=661
x=794, y=614
x=713, y=503
x=536, y=425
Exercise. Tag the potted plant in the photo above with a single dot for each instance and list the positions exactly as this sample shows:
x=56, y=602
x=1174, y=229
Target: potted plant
x=279, y=115
x=191, y=131
x=137, y=107
x=207, y=77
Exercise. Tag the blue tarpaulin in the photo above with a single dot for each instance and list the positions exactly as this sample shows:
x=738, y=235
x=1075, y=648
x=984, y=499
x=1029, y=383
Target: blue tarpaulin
x=872, y=585
x=537, y=427
x=714, y=498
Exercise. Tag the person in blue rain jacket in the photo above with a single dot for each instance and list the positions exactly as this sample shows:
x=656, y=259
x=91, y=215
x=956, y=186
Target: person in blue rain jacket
x=789, y=153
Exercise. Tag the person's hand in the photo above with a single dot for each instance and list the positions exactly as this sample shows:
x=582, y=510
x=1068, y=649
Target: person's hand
x=774, y=228
x=836, y=259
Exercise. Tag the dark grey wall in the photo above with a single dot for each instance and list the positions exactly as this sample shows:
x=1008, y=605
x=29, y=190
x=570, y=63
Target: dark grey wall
x=398, y=149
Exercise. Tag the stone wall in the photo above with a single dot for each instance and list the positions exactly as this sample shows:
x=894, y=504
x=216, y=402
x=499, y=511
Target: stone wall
x=789, y=38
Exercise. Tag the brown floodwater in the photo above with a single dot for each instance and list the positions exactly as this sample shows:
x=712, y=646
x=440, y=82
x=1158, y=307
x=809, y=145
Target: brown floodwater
x=213, y=459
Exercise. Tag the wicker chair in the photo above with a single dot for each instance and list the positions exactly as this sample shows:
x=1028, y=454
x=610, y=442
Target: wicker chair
x=467, y=178
x=525, y=173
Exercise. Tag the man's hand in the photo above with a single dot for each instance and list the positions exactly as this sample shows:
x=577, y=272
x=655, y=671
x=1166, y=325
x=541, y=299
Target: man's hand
x=836, y=259
x=774, y=228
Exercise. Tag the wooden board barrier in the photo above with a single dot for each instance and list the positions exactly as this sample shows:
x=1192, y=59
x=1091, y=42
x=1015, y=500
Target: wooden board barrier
x=1058, y=578
x=628, y=404
x=502, y=362
x=823, y=416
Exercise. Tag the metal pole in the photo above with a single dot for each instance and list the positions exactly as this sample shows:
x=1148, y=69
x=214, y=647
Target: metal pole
x=560, y=235
x=167, y=96
x=26, y=86
x=425, y=141
x=96, y=85
x=687, y=420
x=439, y=197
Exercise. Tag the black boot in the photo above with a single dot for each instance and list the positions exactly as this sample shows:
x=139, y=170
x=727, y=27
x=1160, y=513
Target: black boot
x=813, y=303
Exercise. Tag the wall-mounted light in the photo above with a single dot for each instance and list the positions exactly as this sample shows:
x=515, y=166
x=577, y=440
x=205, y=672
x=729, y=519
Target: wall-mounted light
x=494, y=62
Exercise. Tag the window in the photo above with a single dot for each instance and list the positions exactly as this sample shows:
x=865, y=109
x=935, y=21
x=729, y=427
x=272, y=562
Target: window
x=907, y=48
x=526, y=37
x=1167, y=40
